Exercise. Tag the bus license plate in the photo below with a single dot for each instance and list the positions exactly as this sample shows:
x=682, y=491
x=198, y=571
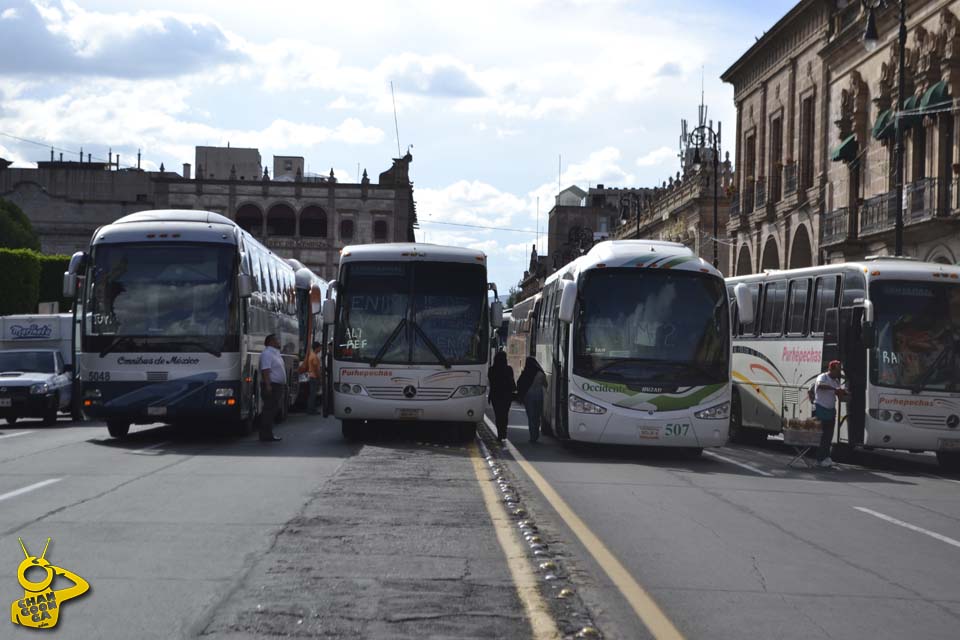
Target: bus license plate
x=949, y=444
x=6, y=402
x=156, y=411
x=409, y=414
x=649, y=433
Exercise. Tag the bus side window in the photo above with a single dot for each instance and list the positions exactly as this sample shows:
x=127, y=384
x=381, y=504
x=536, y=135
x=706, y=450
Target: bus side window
x=854, y=288
x=750, y=328
x=825, y=297
x=774, y=300
x=797, y=307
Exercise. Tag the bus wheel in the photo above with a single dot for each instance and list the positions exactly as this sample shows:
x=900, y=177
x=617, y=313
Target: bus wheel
x=692, y=452
x=467, y=431
x=50, y=418
x=244, y=426
x=118, y=428
x=76, y=413
x=841, y=452
x=739, y=433
x=949, y=460
x=351, y=429
x=12, y=420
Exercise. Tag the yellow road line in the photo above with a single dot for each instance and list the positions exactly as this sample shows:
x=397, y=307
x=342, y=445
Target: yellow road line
x=643, y=605
x=541, y=622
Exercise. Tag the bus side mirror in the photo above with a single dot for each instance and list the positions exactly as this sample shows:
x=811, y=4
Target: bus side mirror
x=568, y=299
x=245, y=285
x=78, y=262
x=868, y=331
x=328, y=310
x=744, y=303
x=69, y=284
x=496, y=313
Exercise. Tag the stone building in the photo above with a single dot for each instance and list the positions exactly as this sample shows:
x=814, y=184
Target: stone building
x=814, y=161
x=682, y=208
x=306, y=218
x=217, y=163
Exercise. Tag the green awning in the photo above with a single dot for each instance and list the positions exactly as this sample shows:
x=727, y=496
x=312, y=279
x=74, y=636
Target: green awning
x=884, y=126
x=846, y=150
x=936, y=97
x=910, y=104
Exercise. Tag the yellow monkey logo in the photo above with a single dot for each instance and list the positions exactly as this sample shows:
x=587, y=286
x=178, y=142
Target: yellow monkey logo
x=40, y=606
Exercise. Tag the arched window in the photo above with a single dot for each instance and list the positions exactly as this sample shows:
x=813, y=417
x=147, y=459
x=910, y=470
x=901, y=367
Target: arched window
x=346, y=229
x=281, y=221
x=380, y=231
x=250, y=219
x=313, y=222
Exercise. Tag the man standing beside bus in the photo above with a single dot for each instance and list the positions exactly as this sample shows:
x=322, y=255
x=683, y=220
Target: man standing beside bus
x=827, y=391
x=274, y=377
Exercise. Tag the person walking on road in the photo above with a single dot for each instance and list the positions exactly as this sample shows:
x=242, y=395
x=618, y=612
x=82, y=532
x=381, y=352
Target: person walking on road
x=502, y=390
x=311, y=366
x=827, y=391
x=273, y=375
x=530, y=386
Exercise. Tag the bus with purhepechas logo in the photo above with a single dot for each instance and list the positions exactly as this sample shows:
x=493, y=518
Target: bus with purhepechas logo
x=893, y=323
x=412, y=328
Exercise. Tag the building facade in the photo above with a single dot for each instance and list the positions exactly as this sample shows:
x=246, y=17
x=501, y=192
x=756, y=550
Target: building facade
x=815, y=180
x=309, y=219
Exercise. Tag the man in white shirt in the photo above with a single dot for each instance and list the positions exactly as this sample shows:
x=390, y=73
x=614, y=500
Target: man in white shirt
x=273, y=374
x=826, y=393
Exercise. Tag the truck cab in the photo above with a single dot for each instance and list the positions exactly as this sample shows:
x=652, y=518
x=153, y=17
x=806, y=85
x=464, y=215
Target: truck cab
x=34, y=383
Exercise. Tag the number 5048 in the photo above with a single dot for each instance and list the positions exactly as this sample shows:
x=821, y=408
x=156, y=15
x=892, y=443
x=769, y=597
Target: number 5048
x=676, y=430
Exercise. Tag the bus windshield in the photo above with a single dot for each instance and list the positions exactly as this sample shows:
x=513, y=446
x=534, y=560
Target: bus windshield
x=161, y=297
x=918, y=335
x=642, y=326
x=412, y=313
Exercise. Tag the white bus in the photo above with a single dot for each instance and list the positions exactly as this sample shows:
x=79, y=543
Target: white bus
x=634, y=339
x=411, y=336
x=174, y=306
x=521, y=333
x=311, y=292
x=893, y=323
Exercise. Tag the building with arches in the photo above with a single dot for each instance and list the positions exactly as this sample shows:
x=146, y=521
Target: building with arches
x=307, y=218
x=815, y=180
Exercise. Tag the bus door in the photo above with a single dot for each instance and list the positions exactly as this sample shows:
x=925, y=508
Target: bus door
x=853, y=355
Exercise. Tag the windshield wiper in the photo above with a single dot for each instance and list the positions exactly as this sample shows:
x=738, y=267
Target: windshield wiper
x=947, y=349
x=433, y=348
x=204, y=346
x=386, y=345
x=116, y=342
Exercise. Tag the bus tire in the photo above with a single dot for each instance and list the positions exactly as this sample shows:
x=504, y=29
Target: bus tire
x=692, y=452
x=118, y=428
x=12, y=420
x=739, y=433
x=76, y=413
x=351, y=429
x=949, y=460
x=50, y=417
x=467, y=431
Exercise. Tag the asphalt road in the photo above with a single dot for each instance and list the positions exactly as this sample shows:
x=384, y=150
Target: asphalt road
x=193, y=534
x=741, y=546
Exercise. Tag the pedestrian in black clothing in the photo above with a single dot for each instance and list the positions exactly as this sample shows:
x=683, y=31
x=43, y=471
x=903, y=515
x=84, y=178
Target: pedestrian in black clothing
x=530, y=386
x=502, y=389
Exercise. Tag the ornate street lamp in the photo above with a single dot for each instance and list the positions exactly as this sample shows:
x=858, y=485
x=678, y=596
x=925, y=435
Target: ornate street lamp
x=704, y=137
x=871, y=40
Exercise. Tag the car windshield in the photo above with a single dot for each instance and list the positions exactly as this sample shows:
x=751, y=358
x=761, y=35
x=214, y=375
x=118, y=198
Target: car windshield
x=27, y=361
x=412, y=313
x=918, y=329
x=660, y=327
x=161, y=297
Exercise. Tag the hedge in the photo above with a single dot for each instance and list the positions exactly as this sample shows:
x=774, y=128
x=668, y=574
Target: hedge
x=20, y=281
x=51, y=280
x=16, y=232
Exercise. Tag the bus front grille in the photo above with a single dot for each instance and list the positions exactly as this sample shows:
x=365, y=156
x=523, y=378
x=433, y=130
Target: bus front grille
x=157, y=376
x=927, y=421
x=396, y=393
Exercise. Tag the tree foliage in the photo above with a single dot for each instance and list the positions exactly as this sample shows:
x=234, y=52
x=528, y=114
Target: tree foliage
x=16, y=232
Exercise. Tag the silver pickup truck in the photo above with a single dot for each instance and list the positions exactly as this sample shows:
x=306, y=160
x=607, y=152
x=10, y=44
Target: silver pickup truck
x=34, y=383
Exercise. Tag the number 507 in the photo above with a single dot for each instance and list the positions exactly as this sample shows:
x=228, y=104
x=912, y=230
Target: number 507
x=676, y=430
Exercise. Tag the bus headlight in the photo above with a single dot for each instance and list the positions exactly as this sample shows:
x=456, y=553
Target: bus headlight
x=716, y=412
x=40, y=388
x=347, y=388
x=885, y=415
x=223, y=392
x=576, y=404
x=469, y=391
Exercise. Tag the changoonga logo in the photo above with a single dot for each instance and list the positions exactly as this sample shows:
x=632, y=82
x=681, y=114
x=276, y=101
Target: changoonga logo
x=39, y=608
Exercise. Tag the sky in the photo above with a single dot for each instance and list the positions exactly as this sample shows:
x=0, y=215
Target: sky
x=498, y=101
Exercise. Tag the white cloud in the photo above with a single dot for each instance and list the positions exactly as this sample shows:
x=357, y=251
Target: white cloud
x=342, y=103
x=9, y=14
x=657, y=157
